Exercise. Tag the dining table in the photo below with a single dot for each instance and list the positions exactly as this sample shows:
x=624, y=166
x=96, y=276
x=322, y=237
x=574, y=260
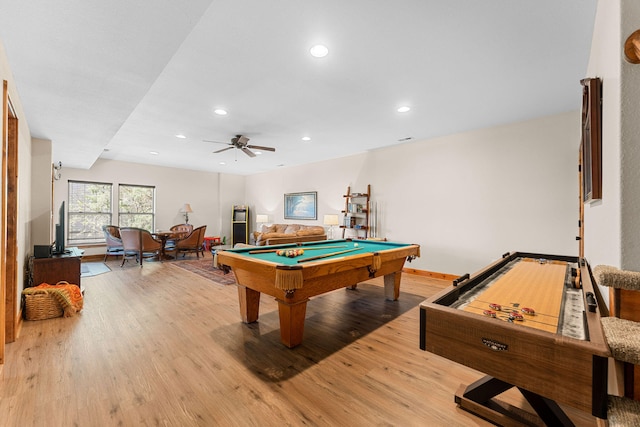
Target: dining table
x=164, y=236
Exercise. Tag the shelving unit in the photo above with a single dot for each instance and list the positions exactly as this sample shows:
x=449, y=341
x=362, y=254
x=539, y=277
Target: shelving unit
x=239, y=225
x=357, y=208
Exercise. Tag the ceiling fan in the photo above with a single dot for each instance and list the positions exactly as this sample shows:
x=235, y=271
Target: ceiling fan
x=241, y=143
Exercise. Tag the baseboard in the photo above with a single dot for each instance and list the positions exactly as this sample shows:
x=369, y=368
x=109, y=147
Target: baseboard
x=431, y=274
x=93, y=258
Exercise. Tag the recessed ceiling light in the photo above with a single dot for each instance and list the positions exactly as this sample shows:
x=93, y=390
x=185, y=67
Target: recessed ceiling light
x=222, y=163
x=181, y=136
x=403, y=109
x=319, y=51
x=306, y=138
x=155, y=153
x=220, y=112
x=258, y=152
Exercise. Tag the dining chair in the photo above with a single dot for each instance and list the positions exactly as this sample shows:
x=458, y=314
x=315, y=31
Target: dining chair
x=139, y=244
x=182, y=231
x=194, y=242
x=113, y=241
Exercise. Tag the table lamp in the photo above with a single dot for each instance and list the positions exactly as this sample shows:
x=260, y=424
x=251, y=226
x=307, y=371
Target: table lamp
x=261, y=219
x=331, y=220
x=186, y=209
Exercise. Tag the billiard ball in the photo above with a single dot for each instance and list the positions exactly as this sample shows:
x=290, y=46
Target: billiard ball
x=355, y=245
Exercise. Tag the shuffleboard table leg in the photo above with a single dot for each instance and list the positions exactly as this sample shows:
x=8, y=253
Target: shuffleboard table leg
x=249, y=304
x=392, y=285
x=480, y=398
x=292, y=322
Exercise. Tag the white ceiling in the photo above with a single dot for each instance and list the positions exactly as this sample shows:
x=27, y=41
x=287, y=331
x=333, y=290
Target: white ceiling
x=117, y=79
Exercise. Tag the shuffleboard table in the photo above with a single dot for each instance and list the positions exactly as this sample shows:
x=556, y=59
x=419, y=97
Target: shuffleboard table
x=530, y=321
x=325, y=266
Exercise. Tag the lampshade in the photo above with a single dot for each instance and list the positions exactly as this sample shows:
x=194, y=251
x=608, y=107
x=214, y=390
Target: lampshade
x=261, y=218
x=331, y=220
x=186, y=208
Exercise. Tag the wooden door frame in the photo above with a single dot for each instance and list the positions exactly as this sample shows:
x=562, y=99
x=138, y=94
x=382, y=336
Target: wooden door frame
x=9, y=320
x=11, y=288
x=3, y=214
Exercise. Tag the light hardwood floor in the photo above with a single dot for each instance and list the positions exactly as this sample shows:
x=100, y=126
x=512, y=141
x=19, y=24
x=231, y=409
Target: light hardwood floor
x=162, y=346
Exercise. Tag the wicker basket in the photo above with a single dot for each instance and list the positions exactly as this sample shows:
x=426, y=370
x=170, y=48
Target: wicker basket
x=41, y=306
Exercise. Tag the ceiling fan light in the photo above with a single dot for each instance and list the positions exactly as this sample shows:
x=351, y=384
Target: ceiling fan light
x=319, y=51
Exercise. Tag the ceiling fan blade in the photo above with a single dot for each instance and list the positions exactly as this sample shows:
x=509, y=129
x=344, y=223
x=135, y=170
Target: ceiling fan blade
x=224, y=149
x=248, y=152
x=217, y=142
x=258, y=147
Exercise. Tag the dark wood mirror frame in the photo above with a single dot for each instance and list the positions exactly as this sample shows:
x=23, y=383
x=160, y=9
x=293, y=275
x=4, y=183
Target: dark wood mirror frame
x=591, y=143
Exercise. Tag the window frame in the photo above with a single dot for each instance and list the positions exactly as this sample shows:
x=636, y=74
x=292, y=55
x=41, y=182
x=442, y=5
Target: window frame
x=152, y=214
x=71, y=214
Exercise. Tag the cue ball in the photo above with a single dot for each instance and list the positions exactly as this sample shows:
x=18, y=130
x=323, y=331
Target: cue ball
x=355, y=245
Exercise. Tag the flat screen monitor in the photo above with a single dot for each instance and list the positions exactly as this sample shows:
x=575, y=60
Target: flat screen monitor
x=59, y=243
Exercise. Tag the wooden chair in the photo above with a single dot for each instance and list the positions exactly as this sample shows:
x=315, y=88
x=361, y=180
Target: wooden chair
x=139, y=244
x=194, y=242
x=183, y=229
x=622, y=331
x=113, y=241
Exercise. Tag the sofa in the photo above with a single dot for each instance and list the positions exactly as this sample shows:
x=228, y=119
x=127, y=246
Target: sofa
x=276, y=234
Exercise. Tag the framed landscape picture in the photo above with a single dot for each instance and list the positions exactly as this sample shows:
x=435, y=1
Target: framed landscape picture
x=591, y=144
x=301, y=205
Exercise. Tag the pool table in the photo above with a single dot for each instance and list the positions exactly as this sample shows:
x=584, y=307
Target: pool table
x=325, y=266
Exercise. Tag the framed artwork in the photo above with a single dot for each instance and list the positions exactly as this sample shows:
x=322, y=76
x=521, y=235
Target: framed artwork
x=591, y=143
x=301, y=205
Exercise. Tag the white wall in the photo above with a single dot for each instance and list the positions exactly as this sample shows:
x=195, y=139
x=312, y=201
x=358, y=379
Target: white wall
x=41, y=161
x=602, y=219
x=466, y=198
x=611, y=225
x=629, y=142
x=208, y=193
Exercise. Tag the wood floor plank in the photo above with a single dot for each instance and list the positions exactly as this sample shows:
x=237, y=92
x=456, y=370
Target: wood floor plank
x=159, y=345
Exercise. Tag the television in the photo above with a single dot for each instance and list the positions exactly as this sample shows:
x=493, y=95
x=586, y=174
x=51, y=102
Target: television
x=58, y=246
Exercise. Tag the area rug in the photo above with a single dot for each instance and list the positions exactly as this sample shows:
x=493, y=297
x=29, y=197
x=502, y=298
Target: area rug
x=88, y=269
x=204, y=267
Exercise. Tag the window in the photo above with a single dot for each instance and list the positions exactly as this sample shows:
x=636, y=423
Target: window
x=89, y=209
x=136, y=206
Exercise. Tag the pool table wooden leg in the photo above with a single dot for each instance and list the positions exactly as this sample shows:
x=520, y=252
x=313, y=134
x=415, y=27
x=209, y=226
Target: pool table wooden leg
x=392, y=285
x=292, y=322
x=249, y=304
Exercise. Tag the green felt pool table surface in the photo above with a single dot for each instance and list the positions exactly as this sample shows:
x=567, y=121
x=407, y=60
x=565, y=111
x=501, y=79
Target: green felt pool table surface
x=314, y=249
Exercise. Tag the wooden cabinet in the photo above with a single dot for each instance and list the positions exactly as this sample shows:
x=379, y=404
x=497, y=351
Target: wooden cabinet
x=357, y=207
x=239, y=225
x=57, y=268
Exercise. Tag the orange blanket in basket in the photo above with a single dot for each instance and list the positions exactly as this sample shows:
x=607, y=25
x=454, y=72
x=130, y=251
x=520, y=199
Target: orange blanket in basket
x=71, y=296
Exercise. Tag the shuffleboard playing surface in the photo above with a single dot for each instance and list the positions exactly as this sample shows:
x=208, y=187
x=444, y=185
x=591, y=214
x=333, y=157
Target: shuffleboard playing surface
x=529, y=283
